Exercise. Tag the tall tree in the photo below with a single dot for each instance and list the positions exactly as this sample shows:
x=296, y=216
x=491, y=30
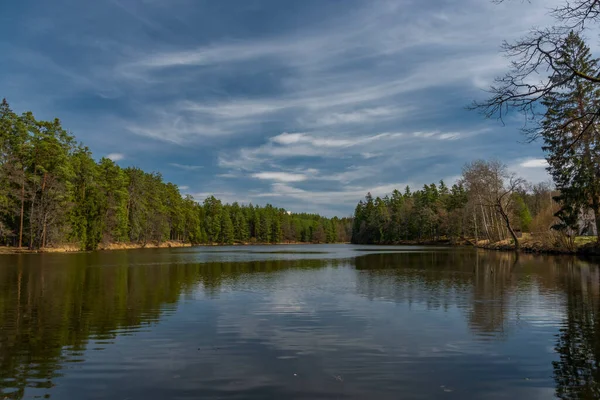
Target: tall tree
x=53, y=192
x=227, y=236
x=570, y=130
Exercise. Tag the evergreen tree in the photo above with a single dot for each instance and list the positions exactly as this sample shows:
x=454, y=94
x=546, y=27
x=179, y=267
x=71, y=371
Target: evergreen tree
x=88, y=201
x=52, y=191
x=570, y=130
x=212, y=219
x=113, y=183
x=227, y=236
x=523, y=214
x=263, y=230
x=276, y=232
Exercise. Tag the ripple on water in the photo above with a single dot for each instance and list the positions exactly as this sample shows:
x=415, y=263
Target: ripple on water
x=288, y=323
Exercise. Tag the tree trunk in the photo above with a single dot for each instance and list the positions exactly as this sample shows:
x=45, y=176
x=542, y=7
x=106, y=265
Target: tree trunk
x=44, y=230
x=31, y=224
x=596, y=207
x=485, y=224
x=44, y=221
x=475, y=221
x=509, y=227
x=22, y=210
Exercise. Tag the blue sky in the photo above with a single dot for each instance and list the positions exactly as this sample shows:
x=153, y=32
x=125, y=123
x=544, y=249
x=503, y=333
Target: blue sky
x=306, y=105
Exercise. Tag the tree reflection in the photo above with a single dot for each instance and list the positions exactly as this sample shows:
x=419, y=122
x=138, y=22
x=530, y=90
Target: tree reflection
x=48, y=315
x=475, y=281
x=577, y=373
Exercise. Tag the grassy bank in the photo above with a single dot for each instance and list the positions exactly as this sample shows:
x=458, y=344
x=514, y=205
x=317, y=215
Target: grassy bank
x=547, y=244
x=71, y=248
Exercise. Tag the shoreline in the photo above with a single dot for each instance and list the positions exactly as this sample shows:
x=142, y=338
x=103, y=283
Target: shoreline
x=527, y=246
x=587, y=250
x=71, y=248
x=591, y=249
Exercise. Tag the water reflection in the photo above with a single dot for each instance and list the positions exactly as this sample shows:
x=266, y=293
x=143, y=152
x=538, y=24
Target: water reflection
x=577, y=373
x=374, y=324
x=48, y=315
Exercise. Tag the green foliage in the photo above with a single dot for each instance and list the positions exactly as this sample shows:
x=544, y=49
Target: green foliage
x=570, y=132
x=227, y=236
x=522, y=213
x=420, y=215
x=68, y=197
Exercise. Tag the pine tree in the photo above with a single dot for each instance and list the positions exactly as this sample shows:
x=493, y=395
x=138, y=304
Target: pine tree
x=276, y=232
x=570, y=131
x=53, y=192
x=114, y=182
x=227, y=236
x=263, y=231
x=88, y=201
x=358, y=223
x=331, y=235
x=212, y=218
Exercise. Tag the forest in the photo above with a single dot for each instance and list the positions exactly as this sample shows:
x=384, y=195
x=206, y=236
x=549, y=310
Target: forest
x=491, y=203
x=53, y=192
x=468, y=209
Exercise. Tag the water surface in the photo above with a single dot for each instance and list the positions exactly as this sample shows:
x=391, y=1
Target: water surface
x=306, y=322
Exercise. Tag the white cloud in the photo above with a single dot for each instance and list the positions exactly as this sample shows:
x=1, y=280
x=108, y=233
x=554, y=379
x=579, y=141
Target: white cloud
x=360, y=116
x=534, y=163
x=184, y=187
x=348, y=196
x=449, y=136
x=294, y=145
x=280, y=176
x=533, y=170
x=294, y=138
x=368, y=155
x=339, y=83
x=170, y=124
x=116, y=156
x=325, y=85
x=288, y=138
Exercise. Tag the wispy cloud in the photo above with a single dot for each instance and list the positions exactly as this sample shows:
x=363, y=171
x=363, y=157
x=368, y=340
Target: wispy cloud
x=186, y=167
x=360, y=116
x=535, y=163
x=367, y=95
x=280, y=176
x=115, y=156
x=350, y=195
x=302, y=145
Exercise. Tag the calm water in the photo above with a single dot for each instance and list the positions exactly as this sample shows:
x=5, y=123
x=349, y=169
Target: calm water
x=311, y=322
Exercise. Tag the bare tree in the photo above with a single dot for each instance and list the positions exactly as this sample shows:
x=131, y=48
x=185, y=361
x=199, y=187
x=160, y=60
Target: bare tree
x=538, y=68
x=491, y=187
x=550, y=67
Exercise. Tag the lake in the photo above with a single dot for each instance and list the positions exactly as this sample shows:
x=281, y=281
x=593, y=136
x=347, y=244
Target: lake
x=299, y=322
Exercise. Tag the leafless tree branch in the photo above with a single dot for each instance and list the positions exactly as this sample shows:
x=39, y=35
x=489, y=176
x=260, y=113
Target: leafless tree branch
x=535, y=65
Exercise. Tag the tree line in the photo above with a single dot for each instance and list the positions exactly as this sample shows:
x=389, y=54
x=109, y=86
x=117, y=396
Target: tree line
x=53, y=192
x=493, y=204
x=487, y=203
